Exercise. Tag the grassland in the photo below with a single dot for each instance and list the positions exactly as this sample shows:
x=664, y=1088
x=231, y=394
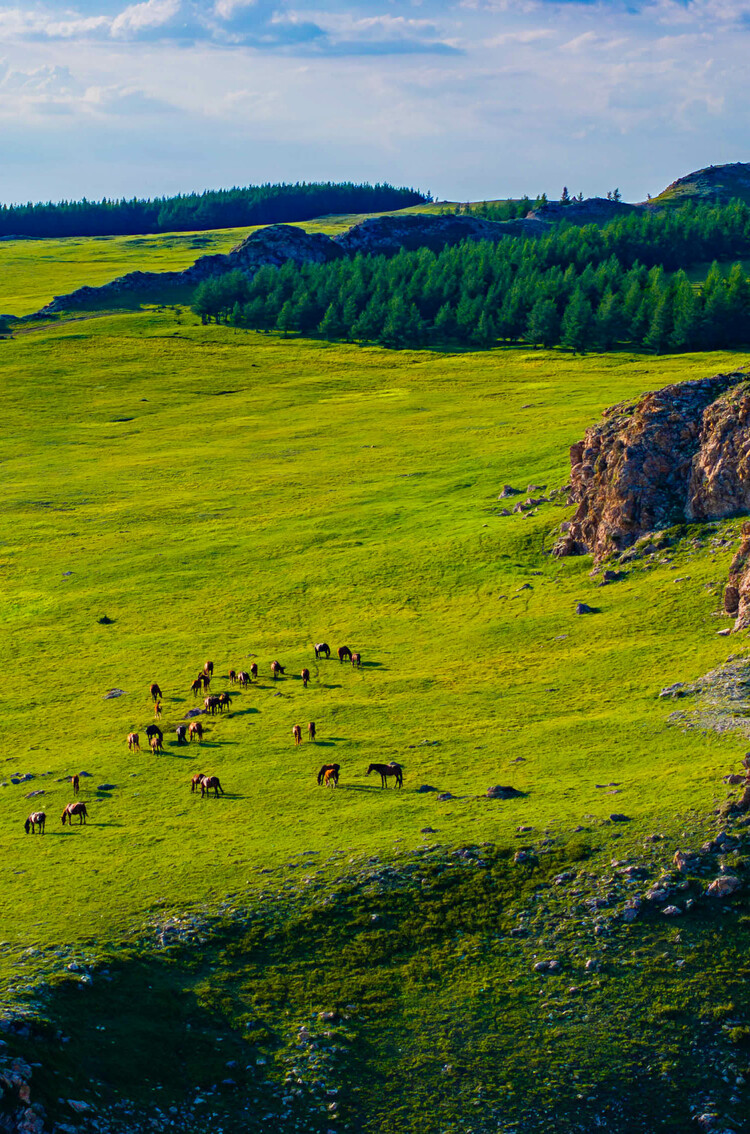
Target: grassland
x=235, y=496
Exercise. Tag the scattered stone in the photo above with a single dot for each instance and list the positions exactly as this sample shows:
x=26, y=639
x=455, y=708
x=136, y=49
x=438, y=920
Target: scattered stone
x=31, y=794
x=424, y=788
x=723, y=887
x=523, y=856
x=724, y=633
x=500, y=792
x=507, y=491
x=677, y=690
x=106, y=787
x=79, y=1106
x=427, y=831
x=591, y=965
x=444, y=795
x=618, y=817
x=114, y=693
x=583, y=608
x=672, y=911
x=104, y=621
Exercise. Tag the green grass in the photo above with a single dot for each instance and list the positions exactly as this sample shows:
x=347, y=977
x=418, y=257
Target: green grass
x=230, y=495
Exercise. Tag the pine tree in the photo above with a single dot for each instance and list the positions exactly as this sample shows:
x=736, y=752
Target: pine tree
x=686, y=315
x=331, y=326
x=445, y=327
x=578, y=324
x=285, y=318
x=543, y=324
x=659, y=333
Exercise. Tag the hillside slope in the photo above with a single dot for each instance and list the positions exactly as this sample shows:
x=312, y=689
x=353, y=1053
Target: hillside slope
x=714, y=185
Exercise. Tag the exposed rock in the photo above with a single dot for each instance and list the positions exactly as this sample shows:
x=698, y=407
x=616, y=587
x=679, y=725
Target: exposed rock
x=684, y=861
x=499, y=792
x=425, y=788
x=582, y=608
x=114, y=693
x=672, y=911
x=677, y=690
x=444, y=795
x=508, y=490
x=724, y=886
x=674, y=455
x=524, y=856
x=618, y=817
x=388, y=235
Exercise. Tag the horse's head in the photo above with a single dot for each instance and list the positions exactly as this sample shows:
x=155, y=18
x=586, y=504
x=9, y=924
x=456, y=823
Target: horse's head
x=370, y=769
x=27, y=825
x=64, y=816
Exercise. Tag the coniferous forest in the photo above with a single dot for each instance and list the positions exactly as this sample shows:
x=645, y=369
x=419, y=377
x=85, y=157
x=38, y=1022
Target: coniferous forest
x=224, y=208
x=584, y=288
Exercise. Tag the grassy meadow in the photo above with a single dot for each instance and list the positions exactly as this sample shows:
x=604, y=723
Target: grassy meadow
x=238, y=497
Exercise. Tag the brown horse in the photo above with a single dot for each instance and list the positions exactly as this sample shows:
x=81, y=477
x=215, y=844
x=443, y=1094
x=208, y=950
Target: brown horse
x=76, y=782
x=134, y=743
x=331, y=778
x=243, y=679
x=211, y=704
x=325, y=770
x=195, y=731
x=157, y=710
x=72, y=809
x=232, y=675
x=386, y=770
x=181, y=731
x=36, y=819
x=208, y=667
x=206, y=679
x=305, y=675
x=254, y=671
x=155, y=692
x=344, y=652
x=195, y=783
x=297, y=734
x=276, y=669
x=225, y=701
x=322, y=648
x=156, y=744
x=197, y=685
x=357, y=660
x=311, y=730
x=209, y=782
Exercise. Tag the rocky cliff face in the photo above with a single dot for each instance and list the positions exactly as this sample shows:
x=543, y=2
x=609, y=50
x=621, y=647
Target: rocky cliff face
x=681, y=453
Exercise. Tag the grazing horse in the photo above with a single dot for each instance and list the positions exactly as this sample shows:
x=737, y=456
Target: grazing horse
x=76, y=782
x=195, y=730
x=209, y=782
x=276, y=669
x=331, y=778
x=208, y=667
x=72, y=809
x=155, y=692
x=195, y=782
x=153, y=730
x=211, y=704
x=297, y=734
x=325, y=770
x=305, y=675
x=254, y=670
x=322, y=648
x=206, y=679
x=157, y=710
x=156, y=744
x=225, y=701
x=197, y=685
x=344, y=652
x=243, y=679
x=36, y=819
x=181, y=731
x=232, y=676
x=356, y=659
x=386, y=770
x=311, y=730
x=134, y=743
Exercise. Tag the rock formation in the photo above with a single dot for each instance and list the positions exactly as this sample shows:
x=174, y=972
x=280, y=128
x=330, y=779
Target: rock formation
x=681, y=453
x=278, y=243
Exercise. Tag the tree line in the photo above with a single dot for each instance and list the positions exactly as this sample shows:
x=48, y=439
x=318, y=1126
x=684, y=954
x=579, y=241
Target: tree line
x=567, y=289
x=215, y=208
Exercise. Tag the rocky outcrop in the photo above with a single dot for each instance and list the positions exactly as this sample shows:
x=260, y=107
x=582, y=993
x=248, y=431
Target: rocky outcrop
x=279, y=243
x=717, y=184
x=273, y=245
x=681, y=453
x=593, y=210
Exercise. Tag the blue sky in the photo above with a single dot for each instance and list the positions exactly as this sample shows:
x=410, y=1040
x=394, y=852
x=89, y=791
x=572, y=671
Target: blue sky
x=470, y=99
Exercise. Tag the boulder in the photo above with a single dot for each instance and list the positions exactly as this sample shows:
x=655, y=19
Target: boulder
x=724, y=886
x=582, y=608
x=499, y=792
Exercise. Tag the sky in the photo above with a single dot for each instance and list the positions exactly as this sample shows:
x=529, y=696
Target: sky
x=467, y=99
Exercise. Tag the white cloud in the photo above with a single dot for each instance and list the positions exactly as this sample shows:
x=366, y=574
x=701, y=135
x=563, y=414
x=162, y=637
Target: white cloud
x=144, y=17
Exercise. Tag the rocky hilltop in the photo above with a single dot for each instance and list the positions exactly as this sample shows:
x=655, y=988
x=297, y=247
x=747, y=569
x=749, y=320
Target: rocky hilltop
x=278, y=243
x=678, y=454
x=592, y=210
x=716, y=184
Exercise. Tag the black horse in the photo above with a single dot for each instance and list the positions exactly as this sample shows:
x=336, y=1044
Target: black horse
x=322, y=648
x=387, y=770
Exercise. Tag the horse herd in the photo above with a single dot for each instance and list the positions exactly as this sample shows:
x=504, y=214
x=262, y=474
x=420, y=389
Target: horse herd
x=328, y=774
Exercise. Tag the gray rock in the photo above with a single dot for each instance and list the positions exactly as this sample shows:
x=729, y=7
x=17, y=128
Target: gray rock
x=114, y=693
x=723, y=887
x=424, y=788
x=500, y=792
x=106, y=787
x=444, y=795
x=672, y=911
x=583, y=608
x=618, y=817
